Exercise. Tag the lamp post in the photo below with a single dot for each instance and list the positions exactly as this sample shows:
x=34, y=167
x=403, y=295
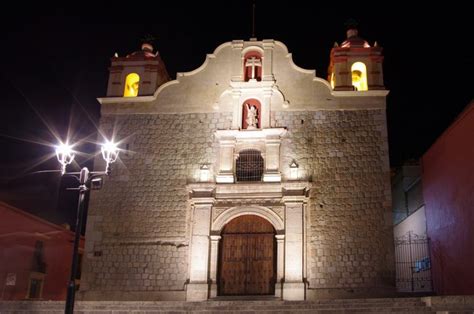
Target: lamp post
x=87, y=180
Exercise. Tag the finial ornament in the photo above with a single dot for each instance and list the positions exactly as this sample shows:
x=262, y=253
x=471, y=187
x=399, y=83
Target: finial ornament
x=148, y=38
x=351, y=23
x=253, y=19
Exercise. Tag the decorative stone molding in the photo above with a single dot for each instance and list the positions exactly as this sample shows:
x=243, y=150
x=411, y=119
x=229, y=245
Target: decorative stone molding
x=250, y=134
x=226, y=160
x=266, y=140
x=201, y=193
x=280, y=211
x=216, y=212
x=241, y=91
x=208, y=222
x=260, y=211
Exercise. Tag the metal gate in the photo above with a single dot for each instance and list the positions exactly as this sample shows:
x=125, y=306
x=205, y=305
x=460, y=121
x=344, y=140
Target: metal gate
x=412, y=263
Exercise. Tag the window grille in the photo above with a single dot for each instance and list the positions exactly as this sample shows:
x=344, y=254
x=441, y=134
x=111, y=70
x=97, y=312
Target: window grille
x=35, y=288
x=249, y=165
x=39, y=264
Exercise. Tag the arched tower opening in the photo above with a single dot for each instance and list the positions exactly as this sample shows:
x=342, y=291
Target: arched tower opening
x=132, y=84
x=359, y=76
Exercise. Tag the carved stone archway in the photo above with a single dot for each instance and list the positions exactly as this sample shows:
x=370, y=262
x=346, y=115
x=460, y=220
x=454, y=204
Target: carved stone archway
x=235, y=212
x=205, y=233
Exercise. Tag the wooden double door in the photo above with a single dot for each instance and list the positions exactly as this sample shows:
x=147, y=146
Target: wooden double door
x=247, y=259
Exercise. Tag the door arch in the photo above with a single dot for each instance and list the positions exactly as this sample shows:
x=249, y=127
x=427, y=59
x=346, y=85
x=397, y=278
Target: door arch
x=247, y=257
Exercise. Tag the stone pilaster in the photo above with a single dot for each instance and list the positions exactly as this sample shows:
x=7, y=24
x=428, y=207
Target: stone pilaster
x=237, y=108
x=294, y=286
x=265, y=118
x=268, y=46
x=237, y=68
x=280, y=238
x=198, y=286
x=226, y=160
x=214, y=257
x=272, y=163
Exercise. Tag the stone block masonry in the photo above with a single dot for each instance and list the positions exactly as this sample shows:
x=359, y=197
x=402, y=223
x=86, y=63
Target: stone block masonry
x=345, y=154
x=137, y=240
x=138, y=236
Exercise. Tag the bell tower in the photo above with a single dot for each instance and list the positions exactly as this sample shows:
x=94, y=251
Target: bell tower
x=138, y=74
x=355, y=65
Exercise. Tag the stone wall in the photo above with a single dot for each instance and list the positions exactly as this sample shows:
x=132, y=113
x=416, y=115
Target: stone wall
x=137, y=237
x=349, y=234
x=138, y=226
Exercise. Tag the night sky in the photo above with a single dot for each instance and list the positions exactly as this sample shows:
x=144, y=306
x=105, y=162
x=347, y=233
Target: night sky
x=55, y=59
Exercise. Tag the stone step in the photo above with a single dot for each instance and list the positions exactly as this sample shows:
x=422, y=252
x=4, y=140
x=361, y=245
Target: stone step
x=409, y=305
x=439, y=305
x=242, y=305
x=243, y=309
x=258, y=307
x=375, y=310
x=252, y=302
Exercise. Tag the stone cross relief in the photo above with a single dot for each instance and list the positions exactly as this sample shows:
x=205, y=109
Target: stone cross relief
x=253, y=62
x=252, y=117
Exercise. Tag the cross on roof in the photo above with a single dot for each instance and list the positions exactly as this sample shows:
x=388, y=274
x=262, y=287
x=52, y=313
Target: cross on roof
x=253, y=62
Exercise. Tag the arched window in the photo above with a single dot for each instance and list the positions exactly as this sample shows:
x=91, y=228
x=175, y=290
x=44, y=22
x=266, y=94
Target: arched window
x=252, y=66
x=249, y=165
x=132, y=83
x=359, y=76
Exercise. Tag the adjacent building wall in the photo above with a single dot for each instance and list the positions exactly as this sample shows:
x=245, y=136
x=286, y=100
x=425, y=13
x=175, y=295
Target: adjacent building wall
x=19, y=232
x=407, y=195
x=412, y=255
x=415, y=223
x=448, y=188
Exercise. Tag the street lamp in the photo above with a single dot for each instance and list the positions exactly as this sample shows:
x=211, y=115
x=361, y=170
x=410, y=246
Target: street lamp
x=86, y=178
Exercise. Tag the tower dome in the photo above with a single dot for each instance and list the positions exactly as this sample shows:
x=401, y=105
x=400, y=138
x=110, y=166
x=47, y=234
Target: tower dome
x=146, y=51
x=353, y=40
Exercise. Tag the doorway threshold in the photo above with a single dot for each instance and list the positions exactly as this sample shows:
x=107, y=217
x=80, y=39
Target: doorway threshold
x=245, y=298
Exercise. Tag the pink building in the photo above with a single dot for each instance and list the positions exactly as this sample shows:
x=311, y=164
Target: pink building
x=35, y=256
x=448, y=191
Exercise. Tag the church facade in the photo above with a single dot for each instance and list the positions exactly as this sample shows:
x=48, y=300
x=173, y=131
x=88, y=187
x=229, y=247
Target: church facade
x=246, y=176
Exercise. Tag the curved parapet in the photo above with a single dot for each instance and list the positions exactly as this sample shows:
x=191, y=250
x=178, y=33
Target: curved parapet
x=213, y=86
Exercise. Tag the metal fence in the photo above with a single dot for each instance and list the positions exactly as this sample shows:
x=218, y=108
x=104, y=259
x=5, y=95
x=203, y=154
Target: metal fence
x=412, y=263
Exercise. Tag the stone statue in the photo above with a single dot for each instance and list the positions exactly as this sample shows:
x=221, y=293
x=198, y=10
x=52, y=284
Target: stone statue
x=252, y=117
